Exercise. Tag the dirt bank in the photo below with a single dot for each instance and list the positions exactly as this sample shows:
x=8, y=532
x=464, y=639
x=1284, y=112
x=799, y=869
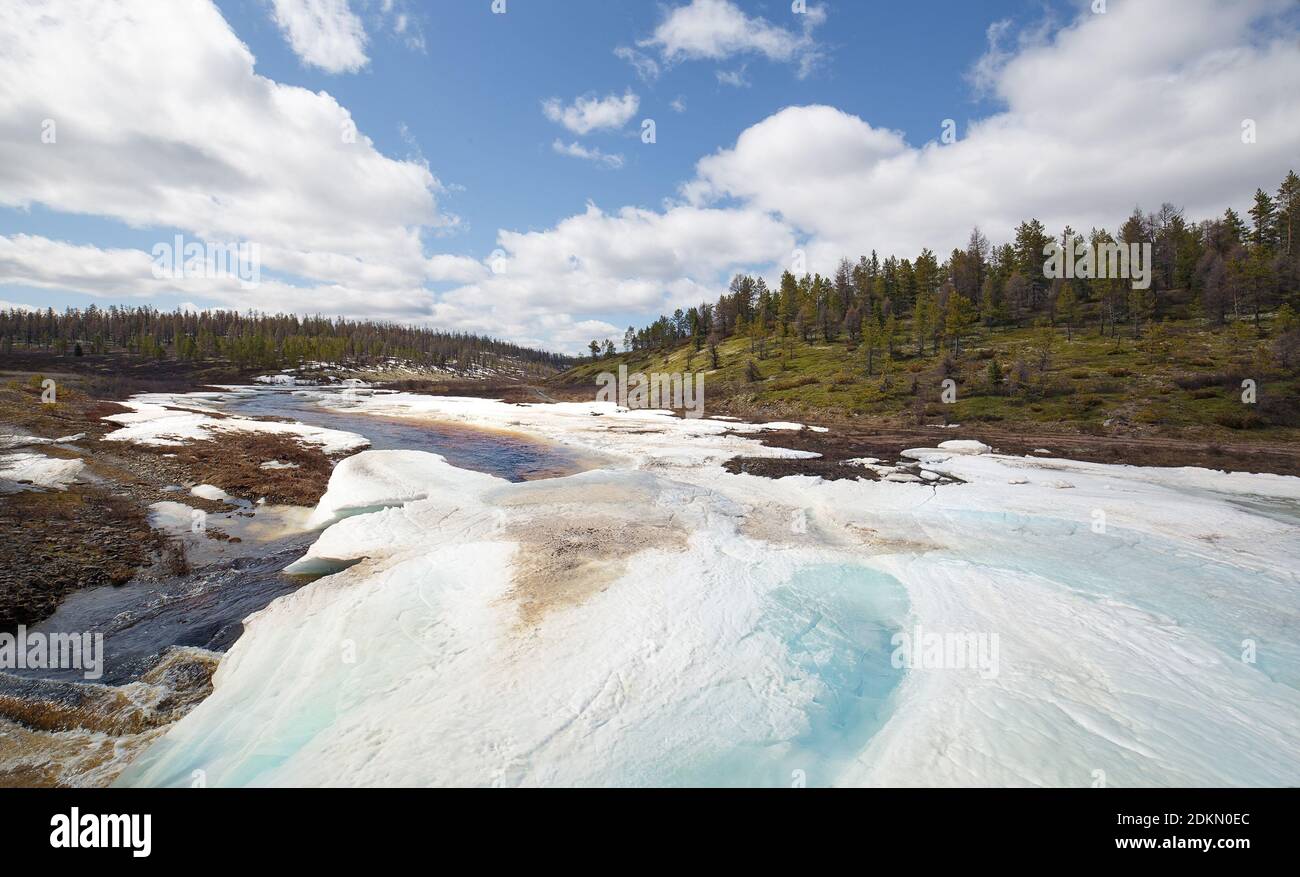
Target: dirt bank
x=844, y=441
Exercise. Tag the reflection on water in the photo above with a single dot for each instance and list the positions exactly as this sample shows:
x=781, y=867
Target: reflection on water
x=503, y=454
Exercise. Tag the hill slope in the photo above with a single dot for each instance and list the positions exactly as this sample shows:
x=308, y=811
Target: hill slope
x=1181, y=378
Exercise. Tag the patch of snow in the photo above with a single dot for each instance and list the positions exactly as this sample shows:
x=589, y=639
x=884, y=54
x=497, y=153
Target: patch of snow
x=216, y=494
x=964, y=446
x=170, y=517
x=377, y=479
x=27, y=441
x=32, y=471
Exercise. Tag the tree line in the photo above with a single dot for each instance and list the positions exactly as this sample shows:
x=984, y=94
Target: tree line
x=1216, y=269
x=254, y=339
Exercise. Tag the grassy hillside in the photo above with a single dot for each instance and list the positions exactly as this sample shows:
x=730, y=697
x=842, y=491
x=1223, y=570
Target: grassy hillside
x=1180, y=377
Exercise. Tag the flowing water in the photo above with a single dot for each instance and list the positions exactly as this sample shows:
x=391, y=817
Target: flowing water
x=503, y=454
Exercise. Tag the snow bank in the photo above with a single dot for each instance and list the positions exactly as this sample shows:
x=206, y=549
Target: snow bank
x=373, y=480
x=641, y=437
x=32, y=471
x=27, y=441
x=964, y=446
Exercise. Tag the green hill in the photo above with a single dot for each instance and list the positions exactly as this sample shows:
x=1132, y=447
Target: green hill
x=1180, y=376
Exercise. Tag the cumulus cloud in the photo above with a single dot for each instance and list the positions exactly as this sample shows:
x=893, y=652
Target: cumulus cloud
x=719, y=29
x=222, y=153
x=632, y=260
x=324, y=33
x=120, y=273
x=590, y=113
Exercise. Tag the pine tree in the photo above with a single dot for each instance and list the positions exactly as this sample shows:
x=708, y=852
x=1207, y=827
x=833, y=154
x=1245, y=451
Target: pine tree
x=1264, y=216
x=870, y=341
x=1288, y=207
x=1067, y=306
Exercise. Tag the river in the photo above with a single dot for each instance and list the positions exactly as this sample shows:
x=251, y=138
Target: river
x=203, y=610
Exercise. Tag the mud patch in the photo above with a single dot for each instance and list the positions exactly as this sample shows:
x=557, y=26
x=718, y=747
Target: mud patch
x=581, y=540
x=768, y=467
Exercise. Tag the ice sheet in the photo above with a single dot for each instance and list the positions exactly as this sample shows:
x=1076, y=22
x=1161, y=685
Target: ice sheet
x=665, y=622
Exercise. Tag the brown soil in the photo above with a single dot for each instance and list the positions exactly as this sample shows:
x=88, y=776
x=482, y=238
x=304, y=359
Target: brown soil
x=233, y=463
x=58, y=541
x=830, y=470
x=118, y=376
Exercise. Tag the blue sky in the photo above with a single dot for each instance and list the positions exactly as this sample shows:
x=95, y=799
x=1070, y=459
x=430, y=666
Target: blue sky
x=822, y=133
x=471, y=99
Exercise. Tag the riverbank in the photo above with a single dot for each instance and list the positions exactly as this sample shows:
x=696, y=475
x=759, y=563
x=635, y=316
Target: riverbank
x=94, y=529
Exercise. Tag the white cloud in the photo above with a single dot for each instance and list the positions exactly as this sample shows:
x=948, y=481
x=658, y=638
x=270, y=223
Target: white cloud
x=678, y=104
x=117, y=274
x=590, y=113
x=719, y=29
x=592, y=154
x=734, y=78
x=646, y=68
x=222, y=154
x=456, y=269
x=550, y=282
x=324, y=33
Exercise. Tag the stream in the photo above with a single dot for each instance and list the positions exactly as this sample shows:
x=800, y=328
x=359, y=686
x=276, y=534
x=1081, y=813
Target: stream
x=206, y=608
